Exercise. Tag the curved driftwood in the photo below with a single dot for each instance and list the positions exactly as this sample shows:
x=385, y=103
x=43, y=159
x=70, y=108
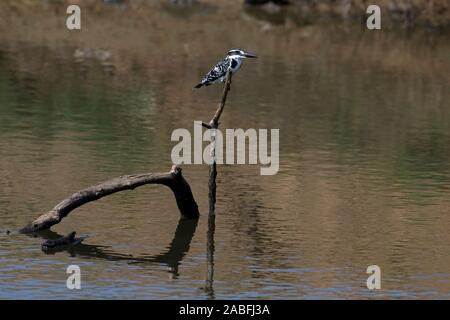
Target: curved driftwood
x=173, y=179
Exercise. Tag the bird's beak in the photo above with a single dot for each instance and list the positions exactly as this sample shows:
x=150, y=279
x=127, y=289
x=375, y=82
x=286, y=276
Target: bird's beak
x=250, y=55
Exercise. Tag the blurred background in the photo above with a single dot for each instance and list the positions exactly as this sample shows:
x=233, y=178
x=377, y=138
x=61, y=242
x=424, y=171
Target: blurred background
x=364, y=125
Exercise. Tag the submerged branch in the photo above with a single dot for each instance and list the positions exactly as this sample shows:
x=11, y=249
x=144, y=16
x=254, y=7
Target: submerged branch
x=173, y=179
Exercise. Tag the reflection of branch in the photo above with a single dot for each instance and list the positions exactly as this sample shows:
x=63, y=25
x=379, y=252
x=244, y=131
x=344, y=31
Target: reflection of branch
x=172, y=257
x=210, y=248
x=174, y=180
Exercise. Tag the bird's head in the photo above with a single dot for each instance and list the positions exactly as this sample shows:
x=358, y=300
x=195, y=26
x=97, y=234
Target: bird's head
x=240, y=54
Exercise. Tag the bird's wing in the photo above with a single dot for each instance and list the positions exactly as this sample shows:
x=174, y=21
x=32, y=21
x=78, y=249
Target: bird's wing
x=219, y=71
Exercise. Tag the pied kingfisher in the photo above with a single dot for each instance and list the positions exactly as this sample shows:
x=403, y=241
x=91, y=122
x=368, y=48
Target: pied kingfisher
x=233, y=60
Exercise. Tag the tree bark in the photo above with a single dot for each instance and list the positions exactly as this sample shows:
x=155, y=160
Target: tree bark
x=173, y=179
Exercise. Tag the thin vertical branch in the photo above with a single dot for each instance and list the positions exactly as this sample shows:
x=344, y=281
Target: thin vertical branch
x=212, y=187
x=215, y=120
x=213, y=125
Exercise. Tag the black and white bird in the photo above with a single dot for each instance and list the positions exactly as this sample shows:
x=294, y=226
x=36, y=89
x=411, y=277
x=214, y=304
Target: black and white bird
x=233, y=60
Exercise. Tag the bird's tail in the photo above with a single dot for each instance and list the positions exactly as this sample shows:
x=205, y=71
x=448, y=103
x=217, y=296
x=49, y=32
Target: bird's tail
x=199, y=85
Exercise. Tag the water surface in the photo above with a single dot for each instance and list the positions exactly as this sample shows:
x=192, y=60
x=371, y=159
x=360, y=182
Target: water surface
x=364, y=166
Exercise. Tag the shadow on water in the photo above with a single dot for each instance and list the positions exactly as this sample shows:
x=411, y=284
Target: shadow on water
x=172, y=257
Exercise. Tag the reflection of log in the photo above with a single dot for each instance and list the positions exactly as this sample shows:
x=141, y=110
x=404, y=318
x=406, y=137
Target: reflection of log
x=172, y=256
x=178, y=248
x=174, y=180
x=57, y=244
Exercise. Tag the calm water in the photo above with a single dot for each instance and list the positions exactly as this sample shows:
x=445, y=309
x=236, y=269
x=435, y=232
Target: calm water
x=364, y=176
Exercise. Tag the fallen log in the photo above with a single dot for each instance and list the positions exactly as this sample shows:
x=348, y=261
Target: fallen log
x=173, y=179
